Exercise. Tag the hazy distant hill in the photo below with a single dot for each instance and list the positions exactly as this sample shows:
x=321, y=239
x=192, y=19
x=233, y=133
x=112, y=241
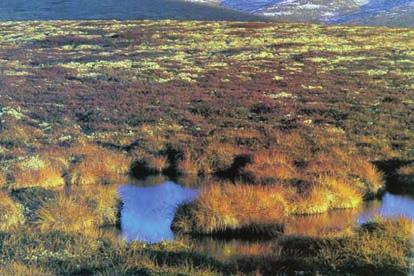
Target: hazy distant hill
x=116, y=9
x=368, y=12
x=385, y=13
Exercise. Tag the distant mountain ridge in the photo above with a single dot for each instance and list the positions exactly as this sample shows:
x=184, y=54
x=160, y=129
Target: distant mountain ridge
x=118, y=9
x=398, y=13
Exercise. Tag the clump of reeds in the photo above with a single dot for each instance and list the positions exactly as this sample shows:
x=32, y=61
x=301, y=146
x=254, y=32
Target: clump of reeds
x=68, y=215
x=97, y=165
x=37, y=171
x=11, y=213
x=3, y=179
x=84, y=210
x=406, y=175
x=214, y=158
x=227, y=206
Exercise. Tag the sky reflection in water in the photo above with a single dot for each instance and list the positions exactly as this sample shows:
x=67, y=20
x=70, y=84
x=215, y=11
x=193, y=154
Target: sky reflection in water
x=147, y=212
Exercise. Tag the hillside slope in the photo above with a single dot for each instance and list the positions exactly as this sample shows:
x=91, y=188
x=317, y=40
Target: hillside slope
x=367, y=12
x=122, y=10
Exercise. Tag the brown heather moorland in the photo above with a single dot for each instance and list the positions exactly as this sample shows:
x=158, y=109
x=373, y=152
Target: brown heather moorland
x=285, y=119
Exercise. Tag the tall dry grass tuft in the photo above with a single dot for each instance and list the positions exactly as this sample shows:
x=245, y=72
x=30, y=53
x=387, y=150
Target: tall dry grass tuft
x=37, y=171
x=3, y=179
x=157, y=163
x=228, y=206
x=68, y=215
x=406, y=175
x=215, y=157
x=270, y=167
x=11, y=213
x=104, y=203
x=314, y=200
x=341, y=193
x=96, y=165
x=189, y=164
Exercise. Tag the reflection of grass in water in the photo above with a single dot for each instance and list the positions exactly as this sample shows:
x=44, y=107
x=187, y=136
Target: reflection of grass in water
x=225, y=250
x=333, y=224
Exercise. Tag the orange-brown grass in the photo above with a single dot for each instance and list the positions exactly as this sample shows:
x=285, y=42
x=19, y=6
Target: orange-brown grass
x=68, y=215
x=157, y=163
x=103, y=201
x=406, y=175
x=227, y=206
x=37, y=171
x=215, y=157
x=271, y=166
x=97, y=165
x=221, y=207
x=340, y=165
x=11, y=214
x=314, y=200
x=341, y=193
x=189, y=164
x=3, y=179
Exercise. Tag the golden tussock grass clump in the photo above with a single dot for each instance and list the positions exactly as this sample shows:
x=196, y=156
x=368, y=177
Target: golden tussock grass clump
x=341, y=193
x=3, y=179
x=213, y=158
x=189, y=164
x=406, y=175
x=314, y=200
x=270, y=167
x=325, y=194
x=104, y=203
x=225, y=206
x=37, y=171
x=96, y=165
x=20, y=269
x=68, y=215
x=11, y=213
x=157, y=163
x=348, y=167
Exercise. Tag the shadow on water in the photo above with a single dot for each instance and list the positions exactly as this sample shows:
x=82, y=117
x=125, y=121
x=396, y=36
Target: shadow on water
x=149, y=206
